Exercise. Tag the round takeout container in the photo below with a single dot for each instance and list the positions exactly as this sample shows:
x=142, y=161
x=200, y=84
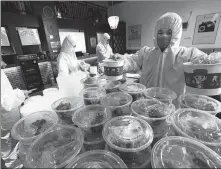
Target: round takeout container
x=136, y=90
x=130, y=138
x=91, y=120
x=182, y=152
x=113, y=70
x=200, y=102
x=118, y=103
x=198, y=125
x=97, y=159
x=161, y=94
x=203, y=79
x=156, y=113
x=90, y=82
x=55, y=149
x=92, y=95
x=27, y=129
x=110, y=86
x=65, y=108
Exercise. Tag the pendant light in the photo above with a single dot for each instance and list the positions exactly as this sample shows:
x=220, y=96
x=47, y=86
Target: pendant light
x=113, y=20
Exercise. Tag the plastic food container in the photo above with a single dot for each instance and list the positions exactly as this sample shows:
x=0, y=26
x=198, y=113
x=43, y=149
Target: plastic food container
x=163, y=94
x=130, y=138
x=155, y=113
x=110, y=86
x=50, y=91
x=113, y=69
x=136, y=90
x=91, y=120
x=97, y=159
x=90, y=82
x=27, y=129
x=202, y=79
x=181, y=152
x=55, y=149
x=198, y=125
x=200, y=102
x=93, y=95
x=118, y=103
x=66, y=107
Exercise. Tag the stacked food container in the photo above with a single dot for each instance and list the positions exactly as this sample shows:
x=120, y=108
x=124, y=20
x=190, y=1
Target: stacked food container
x=114, y=125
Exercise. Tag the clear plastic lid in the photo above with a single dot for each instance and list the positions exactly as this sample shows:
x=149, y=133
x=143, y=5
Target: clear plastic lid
x=116, y=99
x=97, y=159
x=90, y=81
x=30, y=127
x=200, y=102
x=182, y=152
x=128, y=134
x=93, y=92
x=160, y=93
x=55, y=149
x=151, y=109
x=198, y=125
x=132, y=88
x=67, y=104
x=107, y=84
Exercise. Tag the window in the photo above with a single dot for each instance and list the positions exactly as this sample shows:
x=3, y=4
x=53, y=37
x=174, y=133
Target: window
x=4, y=37
x=29, y=36
x=80, y=46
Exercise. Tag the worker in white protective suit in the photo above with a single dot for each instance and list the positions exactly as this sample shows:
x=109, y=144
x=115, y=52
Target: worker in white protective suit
x=103, y=49
x=161, y=65
x=10, y=103
x=70, y=69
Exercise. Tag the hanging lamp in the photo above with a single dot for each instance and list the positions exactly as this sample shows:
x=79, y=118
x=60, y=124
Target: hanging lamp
x=113, y=20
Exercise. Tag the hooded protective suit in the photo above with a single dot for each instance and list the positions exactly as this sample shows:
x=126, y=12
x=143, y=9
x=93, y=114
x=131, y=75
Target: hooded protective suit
x=103, y=49
x=67, y=60
x=163, y=69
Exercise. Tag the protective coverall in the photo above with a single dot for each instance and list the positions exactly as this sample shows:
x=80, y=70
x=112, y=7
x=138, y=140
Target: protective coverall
x=163, y=69
x=103, y=49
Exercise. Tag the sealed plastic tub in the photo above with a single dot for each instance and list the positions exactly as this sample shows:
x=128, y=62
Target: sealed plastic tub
x=161, y=94
x=136, y=90
x=56, y=148
x=155, y=113
x=110, y=86
x=66, y=107
x=200, y=102
x=118, y=103
x=90, y=82
x=27, y=129
x=91, y=120
x=92, y=95
x=181, y=152
x=130, y=138
x=198, y=125
x=97, y=159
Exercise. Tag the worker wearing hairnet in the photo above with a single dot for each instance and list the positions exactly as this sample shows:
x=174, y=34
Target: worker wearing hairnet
x=67, y=60
x=103, y=49
x=161, y=65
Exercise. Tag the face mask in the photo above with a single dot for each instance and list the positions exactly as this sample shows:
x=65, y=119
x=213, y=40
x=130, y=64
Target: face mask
x=163, y=38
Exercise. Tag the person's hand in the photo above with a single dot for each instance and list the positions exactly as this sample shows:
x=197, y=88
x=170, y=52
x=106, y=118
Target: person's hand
x=27, y=92
x=117, y=56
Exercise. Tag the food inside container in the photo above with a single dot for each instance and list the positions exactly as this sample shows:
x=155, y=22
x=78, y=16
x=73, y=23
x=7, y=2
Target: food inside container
x=200, y=102
x=55, y=149
x=162, y=94
x=155, y=113
x=110, y=86
x=93, y=95
x=182, y=152
x=66, y=107
x=27, y=129
x=118, y=103
x=90, y=82
x=97, y=159
x=130, y=138
x=136, y=90
x=198, y=125
x=96, y=144
x=91, y=120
